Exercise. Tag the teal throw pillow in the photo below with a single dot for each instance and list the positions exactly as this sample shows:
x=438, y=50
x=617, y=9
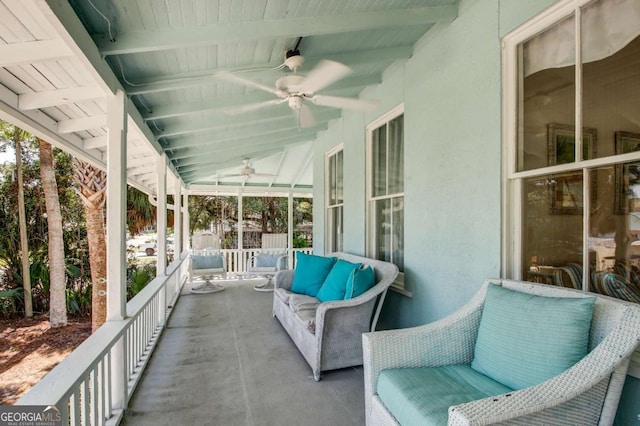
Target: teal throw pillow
x=335, y=285
x=310, y=273
x=361, y=280
x=206, y=262
x=524, y=339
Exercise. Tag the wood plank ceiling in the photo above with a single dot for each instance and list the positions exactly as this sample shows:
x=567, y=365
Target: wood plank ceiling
x=173, y=58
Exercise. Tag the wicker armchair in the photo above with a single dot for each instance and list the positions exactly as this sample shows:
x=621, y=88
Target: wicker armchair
x=587, y=393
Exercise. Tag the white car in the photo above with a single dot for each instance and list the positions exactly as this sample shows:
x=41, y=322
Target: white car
x=149, y=247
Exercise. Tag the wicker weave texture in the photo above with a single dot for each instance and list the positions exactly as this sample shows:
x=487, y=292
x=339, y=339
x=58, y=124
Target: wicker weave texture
x=587, y=393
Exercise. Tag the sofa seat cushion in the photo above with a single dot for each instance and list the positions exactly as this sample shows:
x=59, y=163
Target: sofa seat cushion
x=525, y=339
x=300, y=302
x=308, y=319
x=422, y=396
x=283, y=294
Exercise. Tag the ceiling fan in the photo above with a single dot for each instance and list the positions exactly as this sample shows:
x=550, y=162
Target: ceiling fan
x=246, y=171
x=297, y=89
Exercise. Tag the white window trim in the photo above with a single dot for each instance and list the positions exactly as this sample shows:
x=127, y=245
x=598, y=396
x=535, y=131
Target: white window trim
x=328, y=207
x=512, y=179
x=398, y=110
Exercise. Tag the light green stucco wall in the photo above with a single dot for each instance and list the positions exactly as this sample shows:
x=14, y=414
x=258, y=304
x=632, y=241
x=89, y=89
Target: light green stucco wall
x=451, y=89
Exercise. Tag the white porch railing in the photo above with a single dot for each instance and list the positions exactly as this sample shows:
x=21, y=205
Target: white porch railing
x=94, y=383
x=237, y=259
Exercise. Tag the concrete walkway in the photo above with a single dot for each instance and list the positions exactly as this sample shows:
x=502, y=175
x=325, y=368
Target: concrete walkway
x=224, y=360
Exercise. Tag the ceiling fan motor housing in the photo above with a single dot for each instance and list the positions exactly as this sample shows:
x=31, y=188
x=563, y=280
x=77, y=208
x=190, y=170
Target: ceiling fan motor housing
x=293, y=60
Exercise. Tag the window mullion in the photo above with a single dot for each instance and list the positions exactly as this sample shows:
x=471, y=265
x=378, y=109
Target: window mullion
x=578, y=78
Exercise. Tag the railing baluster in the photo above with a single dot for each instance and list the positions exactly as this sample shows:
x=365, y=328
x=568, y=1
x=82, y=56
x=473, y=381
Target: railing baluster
x=75, y=417
x=87, y=389
x=108, y=397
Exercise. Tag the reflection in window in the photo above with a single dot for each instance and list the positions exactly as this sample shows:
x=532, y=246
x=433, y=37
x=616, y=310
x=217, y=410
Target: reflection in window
x=335, y=185
x=556, y=244
x=386, y=202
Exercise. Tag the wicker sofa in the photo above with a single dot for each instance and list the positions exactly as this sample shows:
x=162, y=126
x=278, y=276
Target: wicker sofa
x=587, y=392
x=329, y=334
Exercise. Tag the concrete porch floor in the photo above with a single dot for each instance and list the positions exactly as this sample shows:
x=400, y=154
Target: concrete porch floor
x=224, y=360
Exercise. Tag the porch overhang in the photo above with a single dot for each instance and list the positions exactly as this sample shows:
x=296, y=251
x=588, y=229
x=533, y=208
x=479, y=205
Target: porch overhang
x=60, y=61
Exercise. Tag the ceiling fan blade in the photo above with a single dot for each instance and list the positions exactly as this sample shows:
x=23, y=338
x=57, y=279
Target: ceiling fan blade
x=305, y=117
x=264, y=174
x=230, y=175
x=324, y=74
x=233, y=78
x=252, y=107
x=345, y=103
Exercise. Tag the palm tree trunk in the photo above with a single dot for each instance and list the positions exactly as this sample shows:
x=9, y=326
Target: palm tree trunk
x=57, y=285
x=92, y=184
x=26, y=275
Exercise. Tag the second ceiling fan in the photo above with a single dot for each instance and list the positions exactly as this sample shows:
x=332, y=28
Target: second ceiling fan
x=297, y=89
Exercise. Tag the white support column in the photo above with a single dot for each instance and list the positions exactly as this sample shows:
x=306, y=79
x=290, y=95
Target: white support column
x=116, y=240
x=161, y=225
x=116, y=206
x=186, y=231
x=290, y=229
x=177, y=219
x=241, y=259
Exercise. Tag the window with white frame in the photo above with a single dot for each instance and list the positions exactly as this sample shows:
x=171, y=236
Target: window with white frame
x=385, y=189
x=572, y=147
x=335, y=184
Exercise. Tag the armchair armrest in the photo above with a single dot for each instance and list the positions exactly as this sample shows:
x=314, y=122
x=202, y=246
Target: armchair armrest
x=283, y=279
x=448, y=341
x=543, y=402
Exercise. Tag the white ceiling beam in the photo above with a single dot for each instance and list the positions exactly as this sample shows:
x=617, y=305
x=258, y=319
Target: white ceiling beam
x=224, y=122
x=84, y=123
x=238, y=153
x=200, y=153
x=32, y=51
x=278, y=168
x=140, y=161
x=207, y=170
x=142, y=170
x=226, y=136
x=195, y=79
x=212, y=189
x=95, y=142
x=154, y=40
x=215, y=104
x=52, y=98
x=302, y=168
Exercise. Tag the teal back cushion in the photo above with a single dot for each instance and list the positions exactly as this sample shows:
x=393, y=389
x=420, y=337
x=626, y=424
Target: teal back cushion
x=524, y=339
x=335, y=285
x=361, y=280
x=311, y=271
x=206, y=262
